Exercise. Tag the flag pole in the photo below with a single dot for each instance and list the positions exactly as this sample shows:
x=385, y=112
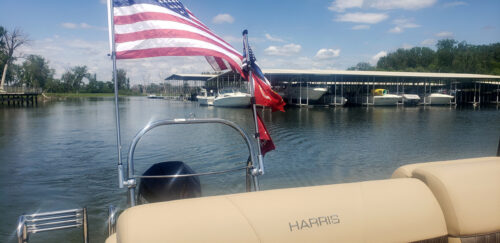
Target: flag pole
x=254, y=105
x=117, y=110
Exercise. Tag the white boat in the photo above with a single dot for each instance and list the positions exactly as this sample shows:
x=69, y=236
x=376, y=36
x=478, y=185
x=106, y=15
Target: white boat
x=386, y=100
x=204, y=99
x=232, y=98
x=438, y=99
x=153, y=96
x=380, y=97
x=411, y=99
x=306, y=93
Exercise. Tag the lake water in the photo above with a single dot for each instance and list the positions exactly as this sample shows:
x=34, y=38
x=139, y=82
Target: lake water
x=62, y=154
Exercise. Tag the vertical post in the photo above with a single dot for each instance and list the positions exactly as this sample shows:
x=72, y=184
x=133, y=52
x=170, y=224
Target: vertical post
x=260, y=170
x=85, y=226
x=117, y=111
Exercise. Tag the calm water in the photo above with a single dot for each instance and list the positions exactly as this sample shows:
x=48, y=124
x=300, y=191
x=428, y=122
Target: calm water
x=62, y=154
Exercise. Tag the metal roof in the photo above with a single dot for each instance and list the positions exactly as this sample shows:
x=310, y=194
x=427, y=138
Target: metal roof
x=200, y=77
x=378, y=74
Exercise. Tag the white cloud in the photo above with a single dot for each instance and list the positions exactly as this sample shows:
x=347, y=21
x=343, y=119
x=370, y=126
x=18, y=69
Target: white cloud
x=223, y=18
x=342, y=5
x=401, y=4
x=428, y=42
x=445, y=34
x=273, y=38
x=365, y=18
x=286, y=50
x=300, y=62
x=377, y=56
x=406, y=23
x=63, y=54
x=455, y=4
x=396, y=30
x=361, y=27
x=402, y=24
x=324, y=54
x=69, y=25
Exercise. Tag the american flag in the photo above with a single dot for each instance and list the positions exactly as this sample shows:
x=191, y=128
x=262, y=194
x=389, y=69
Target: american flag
x=152, y=28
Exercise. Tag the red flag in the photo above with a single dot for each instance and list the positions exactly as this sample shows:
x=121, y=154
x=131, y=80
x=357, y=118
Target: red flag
x=266, y=143
x=265, y=96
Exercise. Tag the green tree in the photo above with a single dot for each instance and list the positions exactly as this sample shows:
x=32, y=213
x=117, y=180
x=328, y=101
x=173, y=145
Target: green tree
x=10, y=42
x=35, y=72
x=123, y=81
x=446, y=54
x=362, y=66
x=73, y=78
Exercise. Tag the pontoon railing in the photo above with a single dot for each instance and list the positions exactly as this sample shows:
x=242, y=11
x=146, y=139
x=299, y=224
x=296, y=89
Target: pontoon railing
x=51, y=221
x=131, y=183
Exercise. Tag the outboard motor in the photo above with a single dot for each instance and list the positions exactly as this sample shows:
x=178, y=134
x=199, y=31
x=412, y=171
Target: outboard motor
x=153, y=190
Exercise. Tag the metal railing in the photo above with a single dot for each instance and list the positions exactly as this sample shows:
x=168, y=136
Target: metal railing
x=130, y=182
x=50, y=221
x=21, y=90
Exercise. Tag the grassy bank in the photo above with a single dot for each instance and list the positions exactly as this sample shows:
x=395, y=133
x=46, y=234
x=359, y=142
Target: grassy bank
x=88, y=95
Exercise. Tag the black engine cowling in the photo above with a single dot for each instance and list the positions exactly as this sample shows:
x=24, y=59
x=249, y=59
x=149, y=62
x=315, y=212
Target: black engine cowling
x=165, y=189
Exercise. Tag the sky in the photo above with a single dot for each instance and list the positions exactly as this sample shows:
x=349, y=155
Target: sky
x=286, y=34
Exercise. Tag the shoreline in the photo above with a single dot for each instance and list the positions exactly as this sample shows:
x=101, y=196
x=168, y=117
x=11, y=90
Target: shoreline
x=85, y=95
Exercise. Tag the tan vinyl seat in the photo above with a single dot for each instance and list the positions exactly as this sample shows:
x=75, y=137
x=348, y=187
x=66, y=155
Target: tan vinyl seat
x=399, y=210
x=111, y=239
x=469, y=195
x=406, y=171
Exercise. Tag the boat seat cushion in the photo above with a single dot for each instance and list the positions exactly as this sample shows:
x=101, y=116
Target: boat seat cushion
x=398, y=210
x=469, y=195
x=406, y=171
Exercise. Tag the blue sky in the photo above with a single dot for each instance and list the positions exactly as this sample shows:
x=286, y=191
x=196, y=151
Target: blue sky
x=309, y=34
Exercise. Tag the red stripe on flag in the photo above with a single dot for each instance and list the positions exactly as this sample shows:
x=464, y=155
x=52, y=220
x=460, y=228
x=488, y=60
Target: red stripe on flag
x=145, y=16
x=162, y=33
x=221, y=63
x=175, y=51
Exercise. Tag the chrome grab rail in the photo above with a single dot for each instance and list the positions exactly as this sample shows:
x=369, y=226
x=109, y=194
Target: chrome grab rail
x=131, y=181
x=50, y=221
x=112, y=212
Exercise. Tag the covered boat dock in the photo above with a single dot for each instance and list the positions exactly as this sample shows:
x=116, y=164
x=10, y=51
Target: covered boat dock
x=185, y=86
x=473, y=89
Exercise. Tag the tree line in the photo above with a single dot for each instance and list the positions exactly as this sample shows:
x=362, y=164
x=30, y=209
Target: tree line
x=450, y=56
x=35, y=72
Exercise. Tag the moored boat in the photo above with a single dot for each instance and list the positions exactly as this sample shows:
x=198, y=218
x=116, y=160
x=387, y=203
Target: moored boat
x=204, y=99
x=154, y=96
x=232, y=98
x=411, y=99
x=310, y=93
x=438, y=99
x=380, y=97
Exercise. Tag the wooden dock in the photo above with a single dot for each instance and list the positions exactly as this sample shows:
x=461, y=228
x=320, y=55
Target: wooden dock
x=19, y=96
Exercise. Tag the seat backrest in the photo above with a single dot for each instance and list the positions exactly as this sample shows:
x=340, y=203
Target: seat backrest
x=469, y=195
x=406, y=171
x=398, y=210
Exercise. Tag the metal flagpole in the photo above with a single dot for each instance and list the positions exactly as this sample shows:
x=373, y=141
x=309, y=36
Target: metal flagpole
x=117, y=111
x=254, y=105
